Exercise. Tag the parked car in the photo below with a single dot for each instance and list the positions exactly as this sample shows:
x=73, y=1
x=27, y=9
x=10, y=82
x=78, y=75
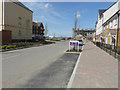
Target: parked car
x=80, y=42
x=38, y=38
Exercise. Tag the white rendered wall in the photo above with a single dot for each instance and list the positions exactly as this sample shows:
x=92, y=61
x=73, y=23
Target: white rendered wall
x=111, y=11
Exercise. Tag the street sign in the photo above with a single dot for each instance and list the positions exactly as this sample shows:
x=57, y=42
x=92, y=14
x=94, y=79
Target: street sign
x=74, y=43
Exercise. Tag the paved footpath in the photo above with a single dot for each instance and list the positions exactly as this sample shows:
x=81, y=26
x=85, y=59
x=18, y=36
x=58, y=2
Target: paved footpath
x=96, y=69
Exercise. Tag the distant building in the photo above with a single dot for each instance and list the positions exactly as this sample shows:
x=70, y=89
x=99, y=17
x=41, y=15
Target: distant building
x=17, y=19
x=50, y=37
x=38, y=29
x=87, y=33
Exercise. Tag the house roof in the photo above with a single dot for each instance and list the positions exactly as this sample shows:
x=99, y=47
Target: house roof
x=112, y=5
x=112, y=31
x=101, y=11
x=20, y=4
x=40, y=23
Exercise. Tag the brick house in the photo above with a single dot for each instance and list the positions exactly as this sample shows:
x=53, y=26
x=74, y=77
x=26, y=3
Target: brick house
x=111, y=24
x=17, y=19
x=38, y=29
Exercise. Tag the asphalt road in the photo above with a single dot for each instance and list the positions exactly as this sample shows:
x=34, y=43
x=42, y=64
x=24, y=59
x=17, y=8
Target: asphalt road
x=55, y=75
x=20, y=64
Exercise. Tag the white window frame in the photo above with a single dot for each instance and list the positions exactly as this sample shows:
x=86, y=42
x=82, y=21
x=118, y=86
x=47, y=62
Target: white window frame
x=116, y=20
x=107, y=25
x=19, y=20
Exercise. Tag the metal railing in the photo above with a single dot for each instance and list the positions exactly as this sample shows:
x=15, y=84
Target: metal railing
x=111, y=49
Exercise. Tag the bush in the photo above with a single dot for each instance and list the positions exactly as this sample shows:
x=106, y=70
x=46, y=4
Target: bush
x=23, y=44
x=55, y=40
x=8, y=46
x=4, y=46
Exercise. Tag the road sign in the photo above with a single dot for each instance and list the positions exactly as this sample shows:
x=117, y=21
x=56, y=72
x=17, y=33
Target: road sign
x=74, y=43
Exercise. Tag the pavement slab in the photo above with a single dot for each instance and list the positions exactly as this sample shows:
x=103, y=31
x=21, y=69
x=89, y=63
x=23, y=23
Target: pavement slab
x=96, y=69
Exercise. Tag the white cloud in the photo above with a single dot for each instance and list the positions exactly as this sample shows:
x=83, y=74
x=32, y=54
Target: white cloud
x=47, y=5
x=45, y=12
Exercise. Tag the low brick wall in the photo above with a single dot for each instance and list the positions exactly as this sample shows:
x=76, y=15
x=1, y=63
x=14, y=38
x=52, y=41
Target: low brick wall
x=6, y=36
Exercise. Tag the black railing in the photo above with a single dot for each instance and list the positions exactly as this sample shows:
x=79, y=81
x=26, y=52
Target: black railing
x=111, y=49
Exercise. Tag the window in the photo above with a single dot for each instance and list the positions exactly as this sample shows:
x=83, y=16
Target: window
x=28, y=23
x=104, y=27
x=116, y=20
x=107, y=25
x=20, y=21
x=111, y=23
x=19, y=32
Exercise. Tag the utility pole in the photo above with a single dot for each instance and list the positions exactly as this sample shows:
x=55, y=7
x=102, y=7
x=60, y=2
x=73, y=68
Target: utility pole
x=46, y=30
x=76, y=20
x=75, y=24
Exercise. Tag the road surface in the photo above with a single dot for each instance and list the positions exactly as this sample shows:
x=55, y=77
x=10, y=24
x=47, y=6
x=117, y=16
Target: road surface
x=22, y=63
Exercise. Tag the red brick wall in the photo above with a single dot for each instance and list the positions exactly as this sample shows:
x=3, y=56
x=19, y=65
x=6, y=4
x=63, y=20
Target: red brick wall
x=6, y=36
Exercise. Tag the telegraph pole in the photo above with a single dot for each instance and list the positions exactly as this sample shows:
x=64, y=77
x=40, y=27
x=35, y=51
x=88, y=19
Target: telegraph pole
x=75, y=24
x=76, y=20
x=46, y=30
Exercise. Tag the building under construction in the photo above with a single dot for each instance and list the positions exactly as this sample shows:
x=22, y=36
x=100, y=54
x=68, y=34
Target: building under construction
x=86, y=33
